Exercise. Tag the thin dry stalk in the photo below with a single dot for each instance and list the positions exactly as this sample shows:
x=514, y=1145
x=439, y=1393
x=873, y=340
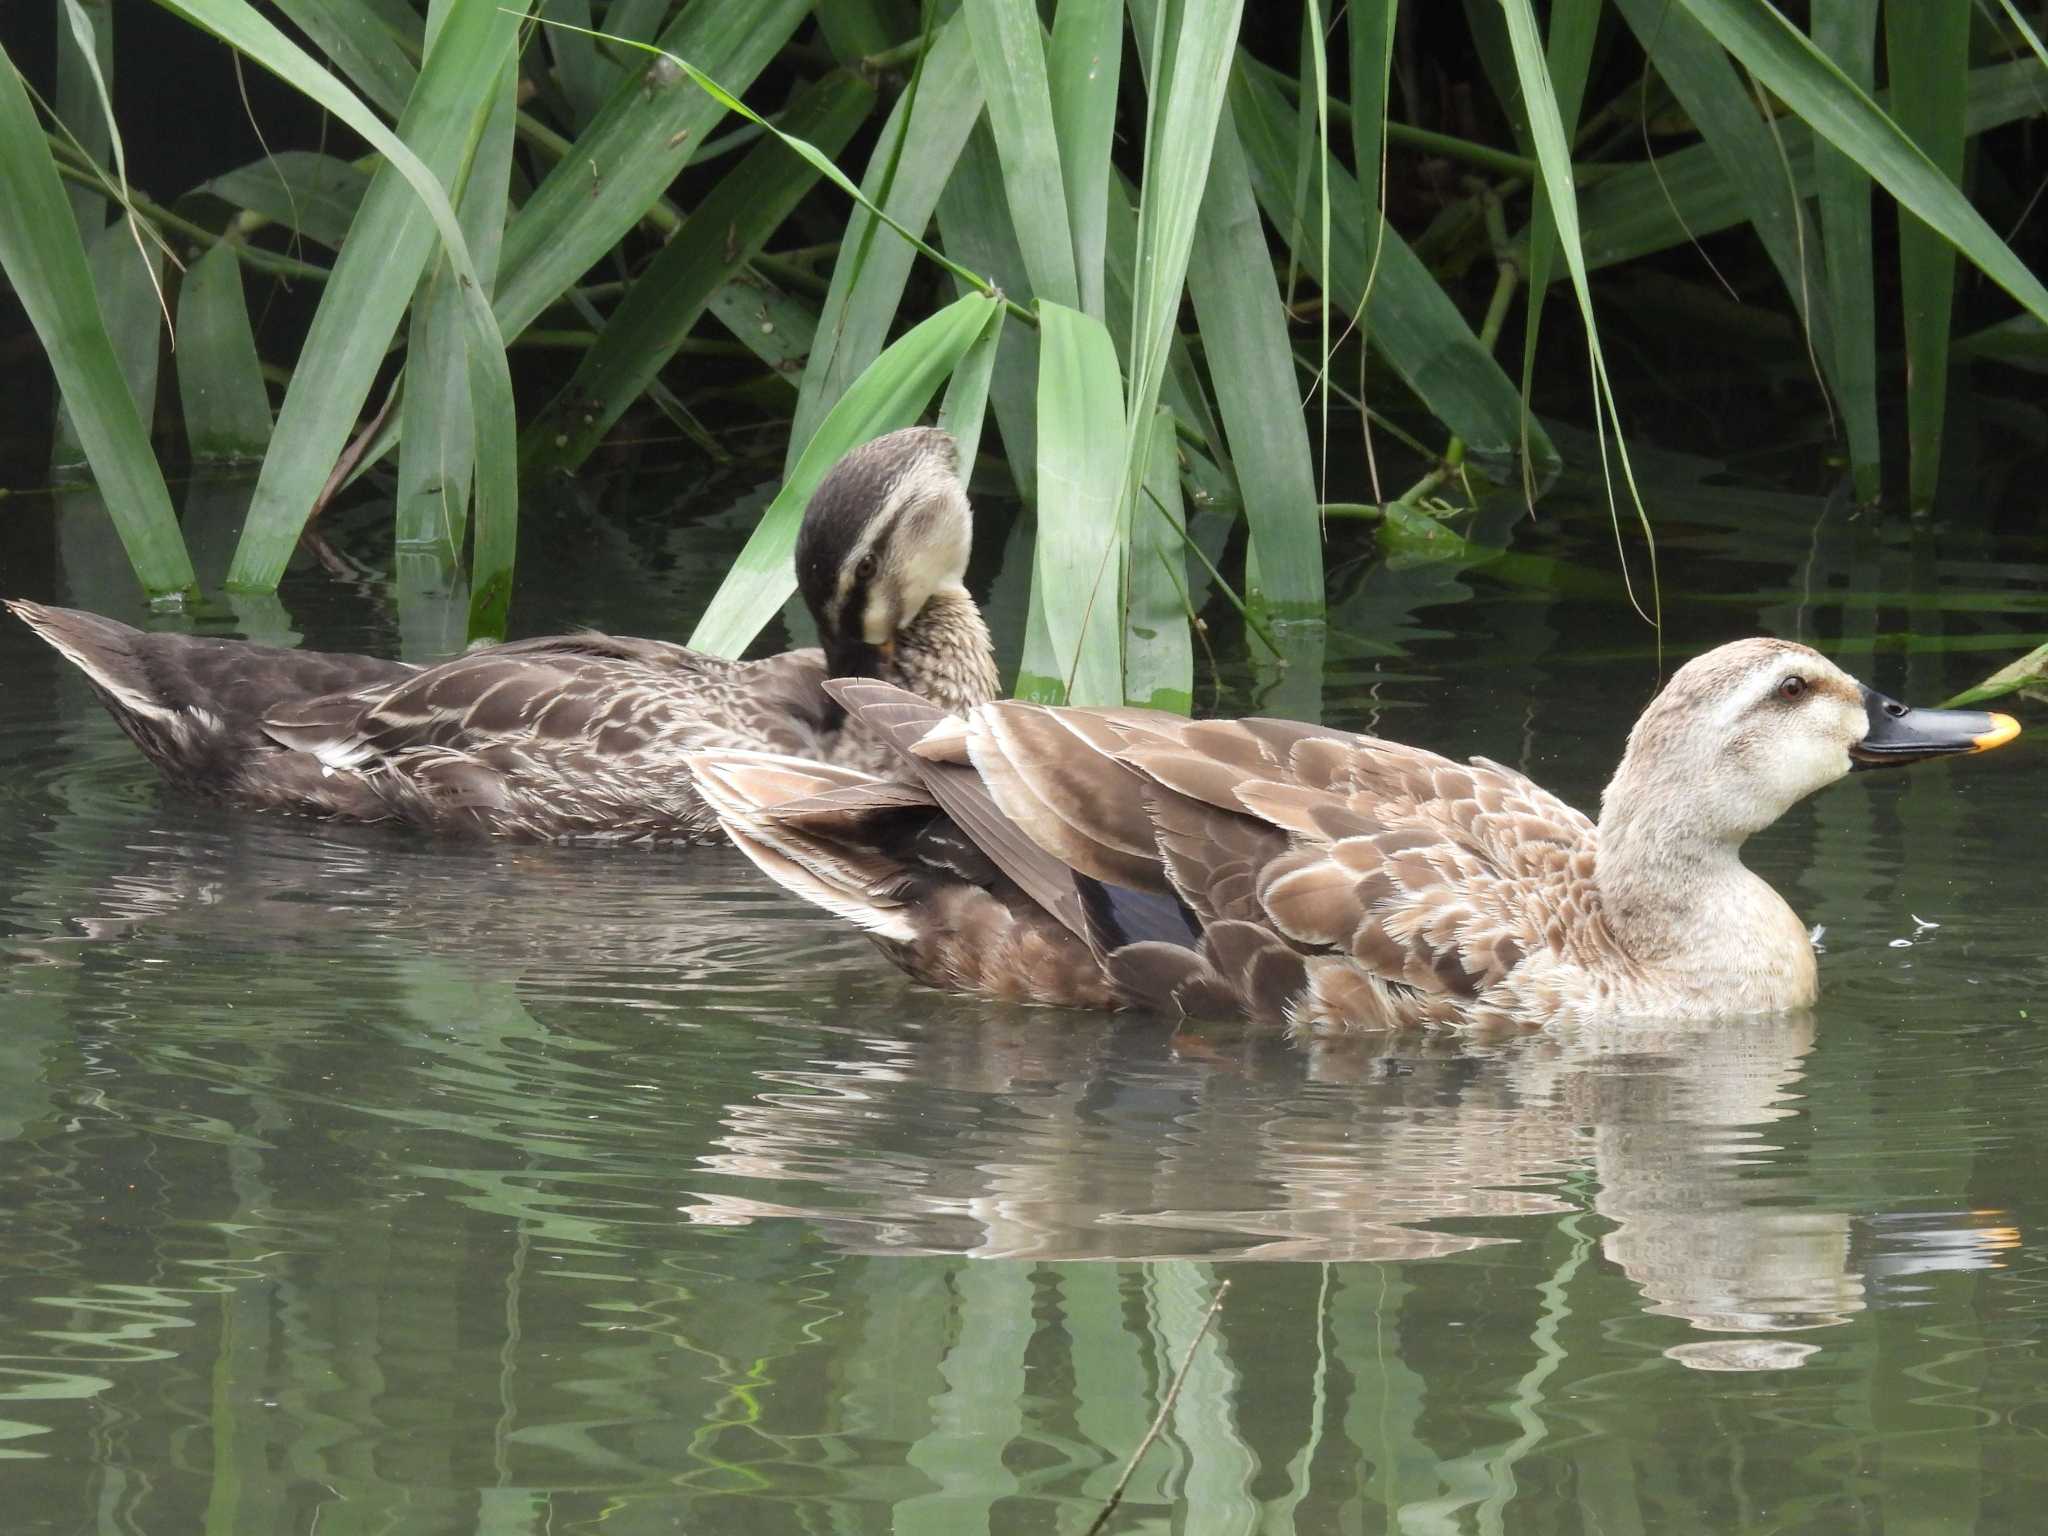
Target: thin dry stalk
x=1116, y=1494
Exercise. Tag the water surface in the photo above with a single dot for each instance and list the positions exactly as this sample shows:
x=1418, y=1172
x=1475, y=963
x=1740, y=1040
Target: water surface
x=351, y=1182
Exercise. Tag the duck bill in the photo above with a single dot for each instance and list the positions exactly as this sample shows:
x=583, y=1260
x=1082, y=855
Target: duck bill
x=1899, y=735
x=856, y=658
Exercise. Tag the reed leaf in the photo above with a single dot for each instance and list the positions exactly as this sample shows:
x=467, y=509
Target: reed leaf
x=664, y=304
x=891, y=393
x=1009, y=56
x=1644, y=208
x=1077, y=580
x=1846, y=31
x=585, y=77
x=312, y=194
x=1084, y=66
x=1789, y=66
x=129, y=282
x=364, y=46
x=914, y=157
x=621, y=164
x=371, y=285
x=853, y=29
x=85, y=71
x=45, y=264
x=220, y=377
x=1750, y=155
x=437, y=442
x=2029, y=670
x=1553, y=158
x=1159, y=658
x=1188, y=46
x=966, y=403
x=1927, y=52
x=1244, y=332
x=1413, y=323
x=974, y=225
x=1568, y=55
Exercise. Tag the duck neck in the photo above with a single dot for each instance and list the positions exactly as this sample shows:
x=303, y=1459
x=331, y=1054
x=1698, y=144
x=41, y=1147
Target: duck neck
x=945, y=653
x=1680, y=900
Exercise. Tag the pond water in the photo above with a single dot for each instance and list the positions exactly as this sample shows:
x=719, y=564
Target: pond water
x=353, y=1183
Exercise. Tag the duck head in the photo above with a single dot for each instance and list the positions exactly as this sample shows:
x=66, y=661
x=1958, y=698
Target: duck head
x=1742, y=734
x=886, y=529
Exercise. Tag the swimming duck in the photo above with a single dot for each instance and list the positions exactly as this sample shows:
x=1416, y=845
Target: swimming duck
x=1303, y=875
x=577, y=736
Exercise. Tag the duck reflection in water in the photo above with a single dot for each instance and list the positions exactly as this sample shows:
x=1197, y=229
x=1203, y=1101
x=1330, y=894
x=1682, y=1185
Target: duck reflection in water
x=902, y=1122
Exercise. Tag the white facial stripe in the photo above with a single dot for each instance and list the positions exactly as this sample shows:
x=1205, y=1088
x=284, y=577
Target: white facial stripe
x=876, y=531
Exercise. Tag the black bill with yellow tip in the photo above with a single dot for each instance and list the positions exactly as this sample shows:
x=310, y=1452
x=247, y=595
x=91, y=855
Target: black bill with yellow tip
x=1899, y=735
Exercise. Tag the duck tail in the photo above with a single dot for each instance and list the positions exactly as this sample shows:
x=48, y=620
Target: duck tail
x=106, y=652
x=808, y=827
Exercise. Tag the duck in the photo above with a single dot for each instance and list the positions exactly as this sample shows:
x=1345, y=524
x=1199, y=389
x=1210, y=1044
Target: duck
x=576, y=737
x=1293, y=874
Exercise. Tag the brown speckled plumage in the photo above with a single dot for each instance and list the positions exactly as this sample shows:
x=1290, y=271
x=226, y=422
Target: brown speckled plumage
x=572, y=736
x=1324, y=880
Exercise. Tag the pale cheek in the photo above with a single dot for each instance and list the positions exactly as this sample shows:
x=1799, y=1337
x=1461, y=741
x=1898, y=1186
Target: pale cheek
x=877, y=623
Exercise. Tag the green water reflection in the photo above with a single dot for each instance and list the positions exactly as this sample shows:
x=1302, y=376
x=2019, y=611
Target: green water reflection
x=352, y=1184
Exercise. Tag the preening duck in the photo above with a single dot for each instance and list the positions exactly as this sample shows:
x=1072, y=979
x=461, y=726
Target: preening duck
x=1302, y=875
x=570, y=736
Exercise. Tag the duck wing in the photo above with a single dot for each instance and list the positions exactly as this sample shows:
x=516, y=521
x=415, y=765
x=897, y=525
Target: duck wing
x=1334, y=876
x=566, y=736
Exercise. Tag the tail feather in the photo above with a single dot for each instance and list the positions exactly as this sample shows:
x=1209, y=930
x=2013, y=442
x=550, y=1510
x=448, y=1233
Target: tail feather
x=104, y=651
x=836, y=869
x=195, y=705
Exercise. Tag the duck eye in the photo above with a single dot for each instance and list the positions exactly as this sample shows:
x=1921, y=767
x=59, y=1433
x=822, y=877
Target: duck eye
x=1793, y=687
x=865, y=571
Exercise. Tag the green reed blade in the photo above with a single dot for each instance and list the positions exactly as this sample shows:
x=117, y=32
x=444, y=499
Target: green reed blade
x=656, y=119
x=1927, y=53
x=437, y=428
x=316, y=195
x=1574, y=27
x=1846, y=31
x=1084, y=65
x=374, y=55
x=1788, y=65
x=1553, y=158
x=1244, y=334
x=854, y=29
x=1009, y=57
x=666, y=301
x=2029, y=669
x=45, y=265
x=966, y=402
x=928, y=127
x=974, y=227
x=1721, y=106
x=85, y=74
x=1077, y=584
x=372, y=281
x=1414, y=324
x=1684, y=197
x=1187, y=73
x=220, y=377
x=1159, y=658
x=585, y=76
x=129, y=283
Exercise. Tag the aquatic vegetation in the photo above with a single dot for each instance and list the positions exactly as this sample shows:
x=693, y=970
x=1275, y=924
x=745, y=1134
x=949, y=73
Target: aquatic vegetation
x=1179, y=257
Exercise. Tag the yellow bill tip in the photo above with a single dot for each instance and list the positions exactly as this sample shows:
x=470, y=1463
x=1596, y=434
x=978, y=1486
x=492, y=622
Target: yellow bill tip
x=2003, y=729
